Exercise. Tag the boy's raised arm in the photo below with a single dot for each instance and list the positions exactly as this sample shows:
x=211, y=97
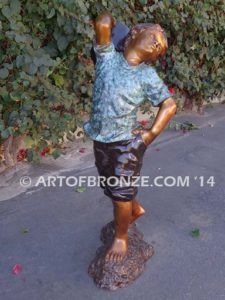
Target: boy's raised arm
x=103, y=25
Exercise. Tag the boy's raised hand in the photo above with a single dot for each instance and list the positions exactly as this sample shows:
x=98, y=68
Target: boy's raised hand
x=103, y=25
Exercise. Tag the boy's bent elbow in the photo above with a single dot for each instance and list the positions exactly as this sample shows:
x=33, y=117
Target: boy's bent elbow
x=170, y=105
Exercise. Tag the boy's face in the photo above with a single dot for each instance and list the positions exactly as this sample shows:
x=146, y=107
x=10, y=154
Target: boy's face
x=149, y=44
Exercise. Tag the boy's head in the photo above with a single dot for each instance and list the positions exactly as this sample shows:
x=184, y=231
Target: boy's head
x=147, y=41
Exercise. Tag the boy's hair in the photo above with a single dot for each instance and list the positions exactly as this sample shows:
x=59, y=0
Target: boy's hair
x=137, y=29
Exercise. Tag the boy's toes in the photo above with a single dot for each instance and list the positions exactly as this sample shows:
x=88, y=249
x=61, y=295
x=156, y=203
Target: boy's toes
x=107, y=257
x=117, y=258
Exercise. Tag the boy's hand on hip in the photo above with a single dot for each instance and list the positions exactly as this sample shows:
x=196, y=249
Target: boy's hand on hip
x=146, y=134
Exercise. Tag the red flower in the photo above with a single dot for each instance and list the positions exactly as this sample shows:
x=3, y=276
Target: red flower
x=22, y=154
x=143, y=122
x=44, y=151
x=89, y=62
x=164, y=63
x=17, y=269
x=171, y=90
x=82, y=150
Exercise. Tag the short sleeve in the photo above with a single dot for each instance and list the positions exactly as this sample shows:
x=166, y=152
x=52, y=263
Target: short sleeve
x=107, y=50
x=154, y=88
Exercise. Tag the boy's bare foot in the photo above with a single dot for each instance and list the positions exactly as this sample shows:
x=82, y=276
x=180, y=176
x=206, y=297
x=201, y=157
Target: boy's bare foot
x=118, y=249
x=137, y=211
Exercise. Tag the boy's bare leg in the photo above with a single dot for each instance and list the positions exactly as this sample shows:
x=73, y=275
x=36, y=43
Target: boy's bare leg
x=122, y=218
x=125, y=213
x=137, y=210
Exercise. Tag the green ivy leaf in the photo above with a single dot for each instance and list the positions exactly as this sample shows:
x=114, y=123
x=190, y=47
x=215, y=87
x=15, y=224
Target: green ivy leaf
x=25, y=230
x=8, y=66
x=195, y=233
x=31, y=68
x=15, y=7
x=143, y=2
x=6, y=12
x=59, y=80
x=56, y=153
x=12, y=118
x=5, y=133
x=51, y=14
x=4, y=73
x=29, y=141
x=15, y=96
x=26, y=83
x=80, y=189
x=30, y=154
x=62, y=43
x=36, y=157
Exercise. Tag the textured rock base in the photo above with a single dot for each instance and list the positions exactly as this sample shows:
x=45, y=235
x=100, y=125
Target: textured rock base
x=112, y=276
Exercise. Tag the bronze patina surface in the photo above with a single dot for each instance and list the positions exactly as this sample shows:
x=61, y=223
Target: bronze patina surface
x=124, y=253
x=113, y=275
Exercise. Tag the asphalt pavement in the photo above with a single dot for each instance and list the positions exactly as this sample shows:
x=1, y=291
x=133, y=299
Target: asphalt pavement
x=52, y=232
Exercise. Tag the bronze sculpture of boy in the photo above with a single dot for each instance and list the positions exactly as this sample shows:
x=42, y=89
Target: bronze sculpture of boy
x=123, y=80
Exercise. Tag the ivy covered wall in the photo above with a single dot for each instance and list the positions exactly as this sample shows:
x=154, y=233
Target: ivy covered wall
x=46, y=73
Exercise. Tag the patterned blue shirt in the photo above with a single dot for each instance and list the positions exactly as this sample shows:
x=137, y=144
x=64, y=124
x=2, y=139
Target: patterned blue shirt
x=118, y=90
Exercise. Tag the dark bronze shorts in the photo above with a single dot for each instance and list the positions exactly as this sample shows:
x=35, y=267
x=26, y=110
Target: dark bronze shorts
x=120, y=159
